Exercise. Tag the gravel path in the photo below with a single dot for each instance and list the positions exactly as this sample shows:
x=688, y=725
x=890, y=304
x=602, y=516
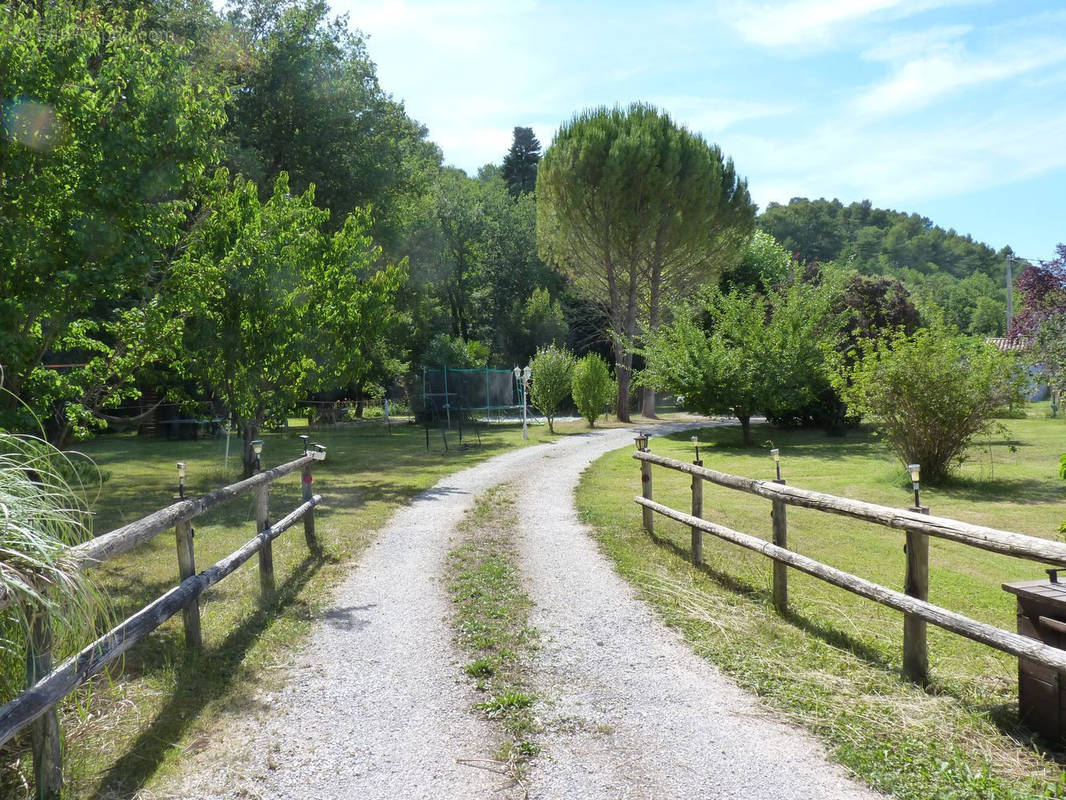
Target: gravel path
x=377, y=706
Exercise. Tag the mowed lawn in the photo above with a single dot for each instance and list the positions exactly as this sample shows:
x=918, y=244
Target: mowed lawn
x=129, y=731
x=834, y=662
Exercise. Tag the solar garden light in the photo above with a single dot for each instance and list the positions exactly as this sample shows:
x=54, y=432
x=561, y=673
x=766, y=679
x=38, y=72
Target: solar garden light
x=257, y=449
x=696, y=443
x=641, y=441
x=914, y=469
x=775, y=454
x=181, y=479
x=304, y=437
x=319, y=452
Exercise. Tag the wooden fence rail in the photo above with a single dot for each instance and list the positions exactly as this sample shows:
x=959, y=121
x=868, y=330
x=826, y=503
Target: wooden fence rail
x=46, y=687
x=990, y=635
x=52, y=688
x=997, y=541
x=918, y=525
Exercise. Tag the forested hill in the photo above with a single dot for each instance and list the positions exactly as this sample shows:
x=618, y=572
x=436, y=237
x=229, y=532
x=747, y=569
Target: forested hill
x=876, y=240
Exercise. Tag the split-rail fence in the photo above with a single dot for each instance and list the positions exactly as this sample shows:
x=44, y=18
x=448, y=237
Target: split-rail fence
x=36, y=706
x=916, y=523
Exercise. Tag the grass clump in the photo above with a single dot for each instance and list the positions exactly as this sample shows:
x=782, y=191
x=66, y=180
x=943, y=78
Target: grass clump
x=492, y=626
x=833, y=663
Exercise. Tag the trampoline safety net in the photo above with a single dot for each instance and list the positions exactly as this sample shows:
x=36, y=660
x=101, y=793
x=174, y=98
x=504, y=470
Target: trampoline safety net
x=467, y=389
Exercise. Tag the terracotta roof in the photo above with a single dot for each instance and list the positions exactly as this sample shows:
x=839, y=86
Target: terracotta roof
x=1010, y=344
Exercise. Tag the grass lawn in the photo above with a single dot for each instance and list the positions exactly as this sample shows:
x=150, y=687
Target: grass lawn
x=128, y=732
x=834, y=664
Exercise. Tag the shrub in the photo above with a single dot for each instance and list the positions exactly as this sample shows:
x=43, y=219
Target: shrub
x=591, y=387
x=931, y=393
x=550, y=383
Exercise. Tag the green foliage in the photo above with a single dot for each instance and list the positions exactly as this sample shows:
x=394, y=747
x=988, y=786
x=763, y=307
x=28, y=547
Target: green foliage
x=308, y=103
x=473, y=254
x=637, y=211
x=930, y=393
x=764, y=263
x=540, y=323
x=274, y=307
x=455, y=353
x=107, y=128
x=742, y=353
x=591, y=386
x=551, y=369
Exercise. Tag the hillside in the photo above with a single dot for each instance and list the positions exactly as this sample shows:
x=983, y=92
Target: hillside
x=941, y=268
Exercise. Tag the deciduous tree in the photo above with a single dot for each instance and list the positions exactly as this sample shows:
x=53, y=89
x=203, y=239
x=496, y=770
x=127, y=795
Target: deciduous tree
x=274, y=307
x=551, y=369
x=105, y=135
x=930, y=393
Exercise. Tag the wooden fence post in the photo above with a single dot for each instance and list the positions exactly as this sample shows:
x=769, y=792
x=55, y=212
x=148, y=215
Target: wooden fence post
x=266, y=554
x=309, y=518
x=697, y=511
x=645, y=485
x=190, y=615
x=780, y=523
x=916, y=584
x=44, y=732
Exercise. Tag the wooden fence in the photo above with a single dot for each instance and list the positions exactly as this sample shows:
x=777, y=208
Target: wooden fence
x=47, y=686
x=917, y=524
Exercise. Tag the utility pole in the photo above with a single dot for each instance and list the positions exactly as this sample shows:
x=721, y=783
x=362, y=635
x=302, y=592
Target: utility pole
x=1010, y=293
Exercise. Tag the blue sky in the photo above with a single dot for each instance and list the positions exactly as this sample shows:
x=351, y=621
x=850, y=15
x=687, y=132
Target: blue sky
x=950, y=108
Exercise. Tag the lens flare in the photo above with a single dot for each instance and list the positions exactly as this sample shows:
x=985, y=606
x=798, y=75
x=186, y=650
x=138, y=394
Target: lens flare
x=32, y=124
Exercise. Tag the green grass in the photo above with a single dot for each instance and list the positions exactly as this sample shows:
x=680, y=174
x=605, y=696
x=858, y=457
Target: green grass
x=492, y=625
x=131, y=730
x=834, y=663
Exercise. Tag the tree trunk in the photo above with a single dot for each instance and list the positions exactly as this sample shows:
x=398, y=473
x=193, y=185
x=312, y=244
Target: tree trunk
x=648, y=403
x=623, y=371
x=251, y=433
x=745, y=427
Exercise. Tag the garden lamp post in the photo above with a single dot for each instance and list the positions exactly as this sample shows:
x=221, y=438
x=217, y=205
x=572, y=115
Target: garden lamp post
x=257, y=449
x=696, y=443
x=304, y=438
x=181, y=479
x=522, y=374
x=914, y=470
x=641, y=440
x=775, y=454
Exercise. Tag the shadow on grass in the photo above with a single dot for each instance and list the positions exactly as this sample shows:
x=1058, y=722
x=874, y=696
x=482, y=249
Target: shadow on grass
x=201, y=678
x=723, y=579
x=1018, y=490
x=830, y=636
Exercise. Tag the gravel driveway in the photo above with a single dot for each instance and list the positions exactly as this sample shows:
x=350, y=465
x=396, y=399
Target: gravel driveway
x=377, y=706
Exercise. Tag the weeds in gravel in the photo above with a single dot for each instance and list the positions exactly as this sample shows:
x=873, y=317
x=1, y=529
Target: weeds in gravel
x=492, y=626
x=832, y=665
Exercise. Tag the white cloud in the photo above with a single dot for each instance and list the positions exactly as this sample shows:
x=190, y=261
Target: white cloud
x=808, y=24
x=949, y=68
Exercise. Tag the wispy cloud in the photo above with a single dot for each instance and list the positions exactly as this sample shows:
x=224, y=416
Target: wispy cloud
x=712, y=115
x=937, y=63
x=810, y=24
x=904, y=165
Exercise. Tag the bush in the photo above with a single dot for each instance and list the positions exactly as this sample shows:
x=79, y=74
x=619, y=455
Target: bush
x=592, y=387
x=550, y=383
x=931, y=393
